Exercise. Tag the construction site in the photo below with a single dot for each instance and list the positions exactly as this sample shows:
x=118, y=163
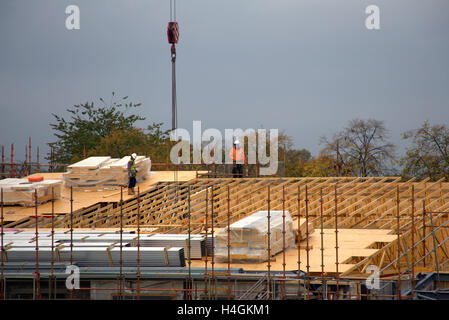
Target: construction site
x=184, y=235
x=79, y=231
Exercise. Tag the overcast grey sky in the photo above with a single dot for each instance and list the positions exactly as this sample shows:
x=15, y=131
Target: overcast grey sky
x=303, y=66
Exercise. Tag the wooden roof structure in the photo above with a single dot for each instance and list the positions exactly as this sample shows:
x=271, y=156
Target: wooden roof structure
x=85, y=200
x=410, y=215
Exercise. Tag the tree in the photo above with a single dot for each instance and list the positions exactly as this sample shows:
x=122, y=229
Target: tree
x=120, y=143
x=361, y=149
x=87, y=125
x=296, y=161
x=159, y=143
x=295, y=155
x=154, y=143
x=293, y=159
x=336, y=149
x=428, y=155
x=320, y=167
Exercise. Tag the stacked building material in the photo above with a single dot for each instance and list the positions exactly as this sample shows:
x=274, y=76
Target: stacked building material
x=27, y=255
x=104, y=173
x=22, y=192
x=210, y=244
x=248, y=237
x=149, y=256
x=100, y=256
x=197, y=243
x=89, y=249
x=66, y=238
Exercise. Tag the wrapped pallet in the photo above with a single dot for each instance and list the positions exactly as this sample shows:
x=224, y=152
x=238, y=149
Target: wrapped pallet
x=104, y=173
x=23, y=192
x=248, y=237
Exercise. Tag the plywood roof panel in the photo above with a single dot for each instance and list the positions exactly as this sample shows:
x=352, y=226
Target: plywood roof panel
x=83, y=199
x=351, y=243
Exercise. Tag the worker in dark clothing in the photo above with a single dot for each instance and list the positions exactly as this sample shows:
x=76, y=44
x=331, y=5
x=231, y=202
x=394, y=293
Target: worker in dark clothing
x=237, y=156
x=132, y=172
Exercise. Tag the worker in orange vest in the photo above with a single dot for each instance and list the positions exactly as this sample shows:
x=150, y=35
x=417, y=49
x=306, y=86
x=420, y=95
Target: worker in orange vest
x=238, y=158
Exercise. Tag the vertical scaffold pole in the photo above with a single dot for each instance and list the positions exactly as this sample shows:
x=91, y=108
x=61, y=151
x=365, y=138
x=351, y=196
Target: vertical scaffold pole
x=283, y=243
x=189, y=292
x=29, y=154
x=138, y=243
x=26, y=160
x=51, y=159
x=2, y=284
x=424, y=231
x=229, y=245
x=413, y=238
x=269, y=247
x=121, y=245
x=299, y=241
x=307, y=245
x=212, y=218
x=323, y=292
x=52, y=275
x=3, y=161
x=437, y=265
x=71, y=234
x=12, y=160
x=37, y=160
x=399, y=243
x=36, y=294
x=206, y=231
x=336, y=241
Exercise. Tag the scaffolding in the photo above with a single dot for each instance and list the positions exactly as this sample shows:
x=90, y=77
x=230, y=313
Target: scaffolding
x=407, y=221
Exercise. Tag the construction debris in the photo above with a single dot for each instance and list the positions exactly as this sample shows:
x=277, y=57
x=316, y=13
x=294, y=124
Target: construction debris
x=23, y=192
x=104, y=173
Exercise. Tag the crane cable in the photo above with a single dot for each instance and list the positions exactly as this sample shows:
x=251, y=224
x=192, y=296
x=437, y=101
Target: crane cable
x=173, y=37
x=172, y=10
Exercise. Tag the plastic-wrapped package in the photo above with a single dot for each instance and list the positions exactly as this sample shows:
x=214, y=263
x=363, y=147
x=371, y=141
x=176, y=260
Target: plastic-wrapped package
x=22, y=192
x=248, y=237
x=102, y=173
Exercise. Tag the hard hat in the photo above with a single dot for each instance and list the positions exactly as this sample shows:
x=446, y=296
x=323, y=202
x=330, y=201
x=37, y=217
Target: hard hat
x=134, y=155
x=236, y=141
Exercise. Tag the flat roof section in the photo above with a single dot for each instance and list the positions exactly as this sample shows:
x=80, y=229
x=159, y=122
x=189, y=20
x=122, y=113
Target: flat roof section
x=353, y=244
